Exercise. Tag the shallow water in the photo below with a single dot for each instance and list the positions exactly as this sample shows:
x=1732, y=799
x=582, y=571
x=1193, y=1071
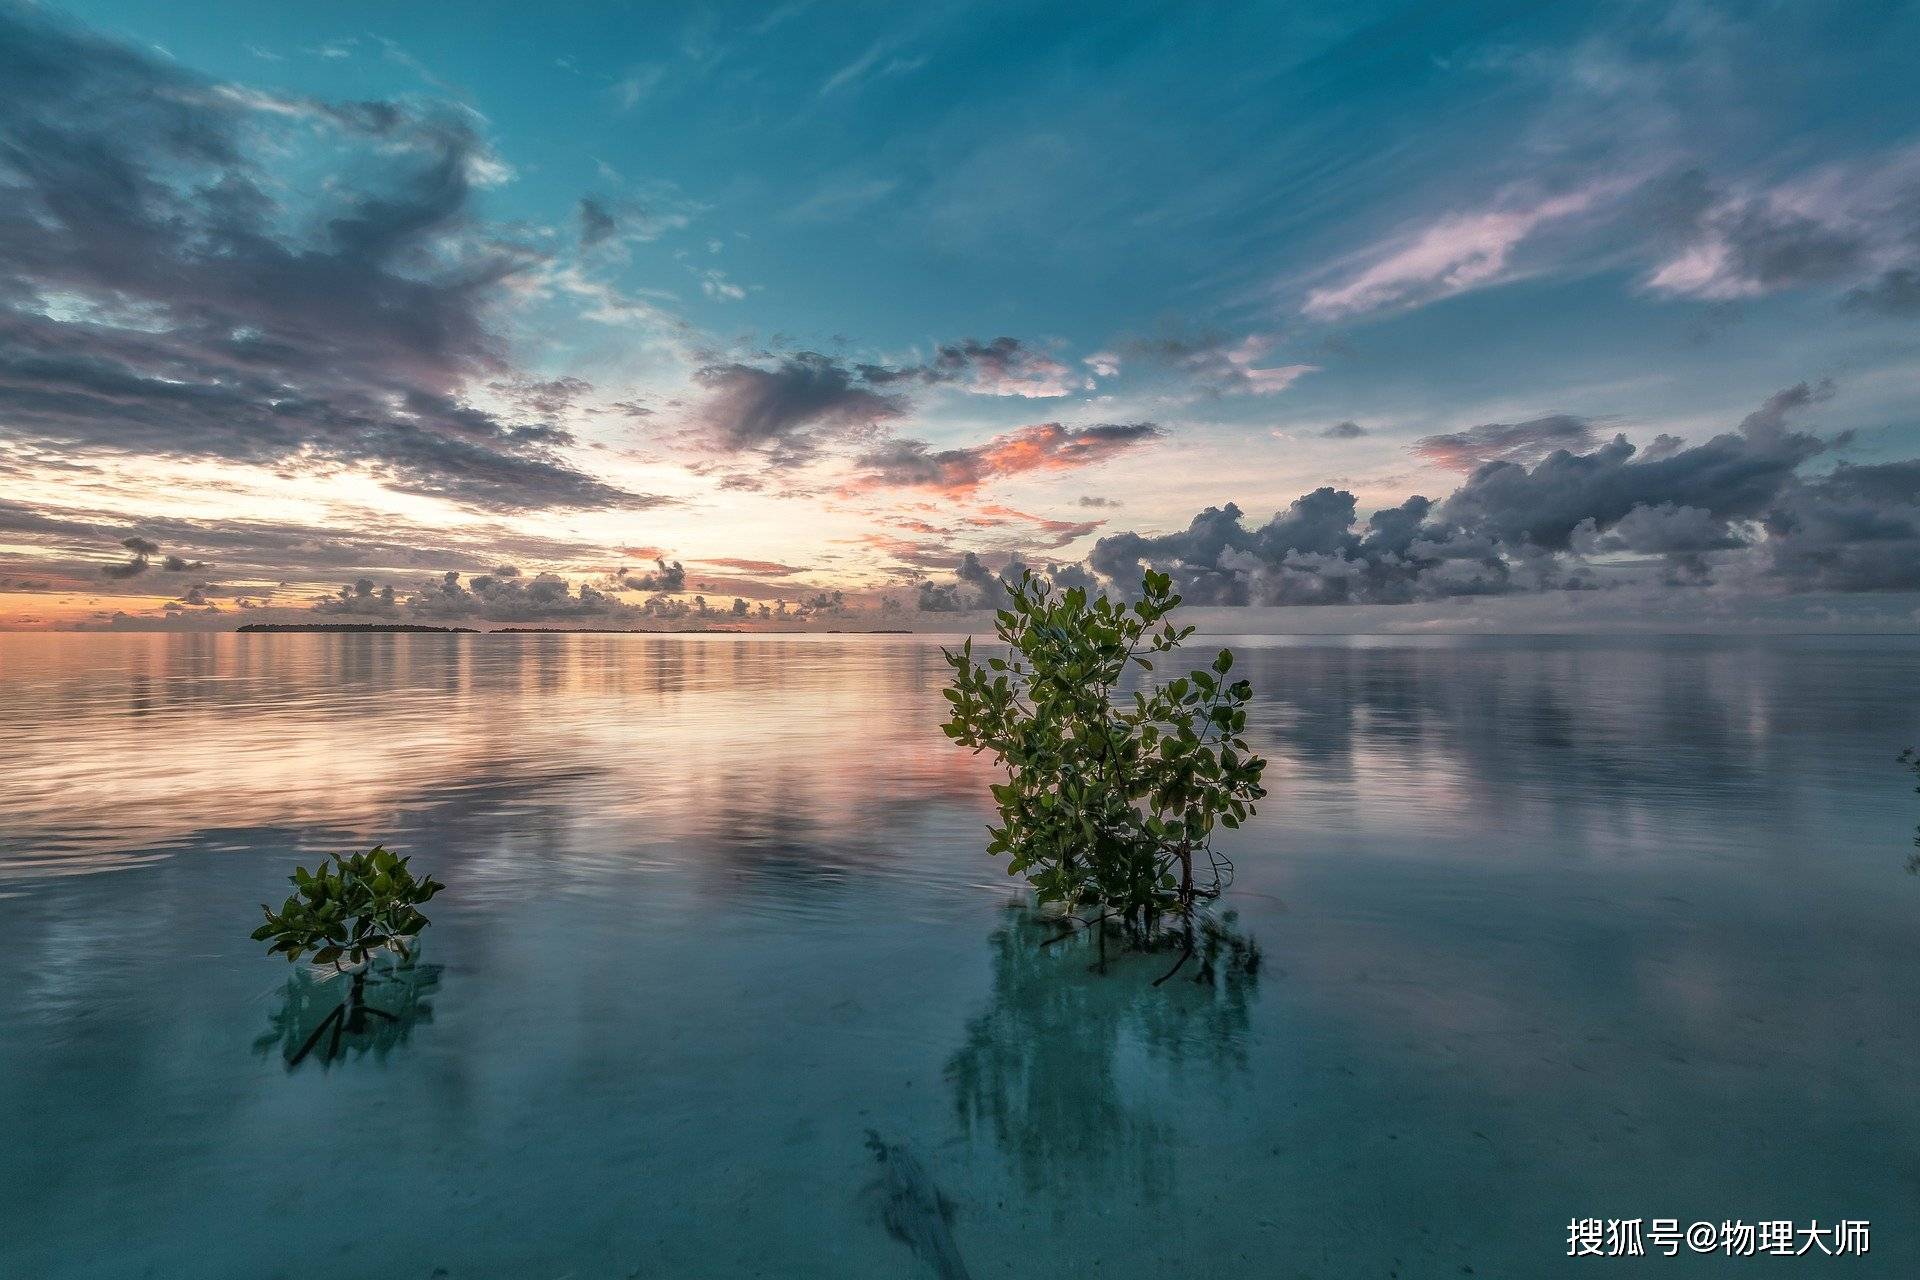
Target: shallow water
x=1552, y=928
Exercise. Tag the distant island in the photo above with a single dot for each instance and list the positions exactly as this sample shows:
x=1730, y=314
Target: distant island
x=352, y=626
x=611, y=631
x=363, y=627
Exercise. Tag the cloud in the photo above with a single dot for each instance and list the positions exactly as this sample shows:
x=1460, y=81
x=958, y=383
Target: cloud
x=636, y=85
x=1855, y=529
x=1055, y=533
x=360, y=597
x=759, y=568
x=1003, y=367
x=548, y=398
x=1895, y=293
x=1343, y=431
x=544, y=597
x=714, y=283
x=1220, y=366
x=616, y=221
x=840, y=198
x=976, y=586
x=508, y=597
x=1504, y=442
x=161, y=296
x=1853, y=224
x=878, y=62
x=142, y=549
x=1046, y=446
x=1448, y=257
x=665, y=577
x=1513, y=527
x=784, y=409
x=1753, y=247
x=937, y=597
x=597, y=225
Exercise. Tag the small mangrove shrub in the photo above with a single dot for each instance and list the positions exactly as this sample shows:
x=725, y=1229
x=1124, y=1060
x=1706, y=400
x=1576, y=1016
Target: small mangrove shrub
x=344, y=914
x=1111, y=797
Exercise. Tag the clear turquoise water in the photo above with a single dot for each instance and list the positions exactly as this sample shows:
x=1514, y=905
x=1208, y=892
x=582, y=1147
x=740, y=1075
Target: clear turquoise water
x=1553, y=928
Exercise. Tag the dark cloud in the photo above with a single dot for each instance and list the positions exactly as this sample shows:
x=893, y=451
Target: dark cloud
x=1721, y=245
x=938, y=597
x=1499, y=441
x=1307, y=554
x=1004, y=366
x=160, y=296
x=1855, y=529
x=597, y=224
x=1735, y=475
x=609, y=221
x=1343, y=431
x=144, y=549
x=1775, y=248
x=1895, y=293
x=1046, y=446
x=360, y=597
x=665, y=577
x=989, y=587
x=1513, y=527
x=785, y=408
x=139, y=563
x=976, y=586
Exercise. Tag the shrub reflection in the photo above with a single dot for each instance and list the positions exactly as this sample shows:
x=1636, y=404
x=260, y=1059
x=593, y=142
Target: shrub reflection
x=1066, y=1069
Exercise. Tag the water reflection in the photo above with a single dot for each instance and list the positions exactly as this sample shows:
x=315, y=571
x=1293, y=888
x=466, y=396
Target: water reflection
x=1072, y=1072
x=1596, y=924
x=335, y=1017
x=796, y=762
x=122, y=746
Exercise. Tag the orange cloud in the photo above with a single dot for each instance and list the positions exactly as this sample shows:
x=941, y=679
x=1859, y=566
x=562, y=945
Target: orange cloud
x=1045, y=446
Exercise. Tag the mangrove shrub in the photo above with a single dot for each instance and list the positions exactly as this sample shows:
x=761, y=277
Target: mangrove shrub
x=1111, y=796
x=344, y=914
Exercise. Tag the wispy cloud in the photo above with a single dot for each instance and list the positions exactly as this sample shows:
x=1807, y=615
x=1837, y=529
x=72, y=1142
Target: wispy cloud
x=1217, y=366
x=1449, y=256
x=878, y=62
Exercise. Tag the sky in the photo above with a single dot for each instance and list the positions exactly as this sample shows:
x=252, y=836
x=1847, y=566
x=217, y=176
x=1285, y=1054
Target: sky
x=830, y=315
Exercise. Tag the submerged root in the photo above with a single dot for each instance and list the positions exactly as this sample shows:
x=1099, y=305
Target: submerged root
x=1213, y=943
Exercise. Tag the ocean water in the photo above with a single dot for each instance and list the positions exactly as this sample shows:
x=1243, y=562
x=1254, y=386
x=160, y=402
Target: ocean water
x=1552, y=928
